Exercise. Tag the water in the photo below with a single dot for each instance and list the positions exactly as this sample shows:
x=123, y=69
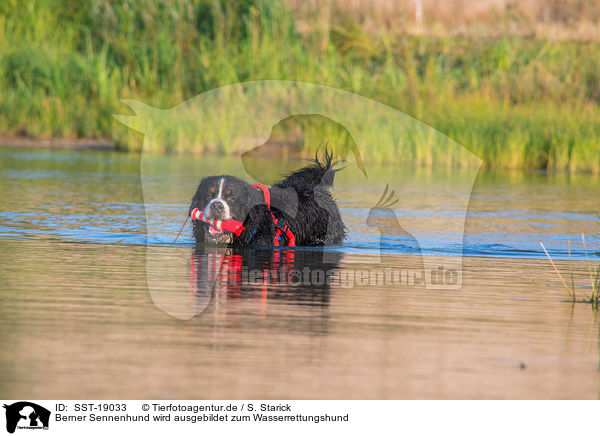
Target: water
x=98, y=302
x=97, y=197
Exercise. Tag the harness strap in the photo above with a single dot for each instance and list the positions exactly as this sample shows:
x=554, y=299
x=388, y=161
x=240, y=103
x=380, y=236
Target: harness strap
x=266, y=194
x=281, y=229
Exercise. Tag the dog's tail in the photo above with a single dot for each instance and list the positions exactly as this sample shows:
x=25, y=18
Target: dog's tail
x=319, y=172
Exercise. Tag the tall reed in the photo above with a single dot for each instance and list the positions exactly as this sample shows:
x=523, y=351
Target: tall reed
x=518, y=102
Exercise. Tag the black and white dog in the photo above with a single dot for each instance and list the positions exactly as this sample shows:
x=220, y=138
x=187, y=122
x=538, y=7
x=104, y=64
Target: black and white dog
x=301, y=209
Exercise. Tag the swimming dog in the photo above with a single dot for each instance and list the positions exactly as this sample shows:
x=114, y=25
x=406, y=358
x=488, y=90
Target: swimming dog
x=298, y=210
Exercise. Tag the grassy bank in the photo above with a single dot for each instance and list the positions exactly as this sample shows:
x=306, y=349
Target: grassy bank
x=517, y=102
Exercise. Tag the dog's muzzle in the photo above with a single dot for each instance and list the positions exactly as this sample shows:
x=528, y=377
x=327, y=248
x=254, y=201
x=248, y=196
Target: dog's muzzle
x=217, y=209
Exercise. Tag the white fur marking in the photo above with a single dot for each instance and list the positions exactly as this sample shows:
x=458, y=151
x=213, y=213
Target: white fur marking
x=221, y=187
x=220, y=199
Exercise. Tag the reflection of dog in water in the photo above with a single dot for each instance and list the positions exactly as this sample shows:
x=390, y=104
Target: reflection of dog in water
x=298, y=275
x=393, y=238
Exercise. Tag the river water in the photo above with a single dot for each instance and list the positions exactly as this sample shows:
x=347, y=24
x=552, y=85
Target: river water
x=97, y=301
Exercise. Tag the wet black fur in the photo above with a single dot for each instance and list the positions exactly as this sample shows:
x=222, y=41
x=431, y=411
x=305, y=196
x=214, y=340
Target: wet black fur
x=302, y=201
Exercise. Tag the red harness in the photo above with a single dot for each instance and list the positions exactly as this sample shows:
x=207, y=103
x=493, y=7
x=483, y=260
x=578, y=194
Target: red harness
x=281, y=229
x=237, y=227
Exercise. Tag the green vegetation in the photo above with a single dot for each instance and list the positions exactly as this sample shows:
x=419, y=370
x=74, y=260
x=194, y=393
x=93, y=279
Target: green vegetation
x=596, y=280
x=518, y=102
x=593, y=274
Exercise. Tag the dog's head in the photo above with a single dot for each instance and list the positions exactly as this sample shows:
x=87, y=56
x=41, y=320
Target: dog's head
x=225, y=198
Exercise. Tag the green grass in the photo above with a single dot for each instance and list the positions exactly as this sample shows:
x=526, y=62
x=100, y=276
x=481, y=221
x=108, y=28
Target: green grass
x=593, y=273
x=596, y=279
x=517, y=102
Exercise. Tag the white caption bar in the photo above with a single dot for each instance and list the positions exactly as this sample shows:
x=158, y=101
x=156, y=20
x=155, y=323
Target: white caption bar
x=45, y=417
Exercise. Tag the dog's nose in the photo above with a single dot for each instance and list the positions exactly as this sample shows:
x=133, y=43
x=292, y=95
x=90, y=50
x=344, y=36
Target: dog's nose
x=216, y=208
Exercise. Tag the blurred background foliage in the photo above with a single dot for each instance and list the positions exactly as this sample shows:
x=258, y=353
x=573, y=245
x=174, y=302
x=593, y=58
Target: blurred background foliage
x=517, y=83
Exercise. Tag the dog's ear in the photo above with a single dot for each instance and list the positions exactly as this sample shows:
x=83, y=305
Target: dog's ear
x=198, y=198
x=199, y=229
x=254, y=197
x=259, y=228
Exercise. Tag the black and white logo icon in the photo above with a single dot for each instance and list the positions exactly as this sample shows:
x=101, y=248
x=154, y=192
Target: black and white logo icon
x=26, y=415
